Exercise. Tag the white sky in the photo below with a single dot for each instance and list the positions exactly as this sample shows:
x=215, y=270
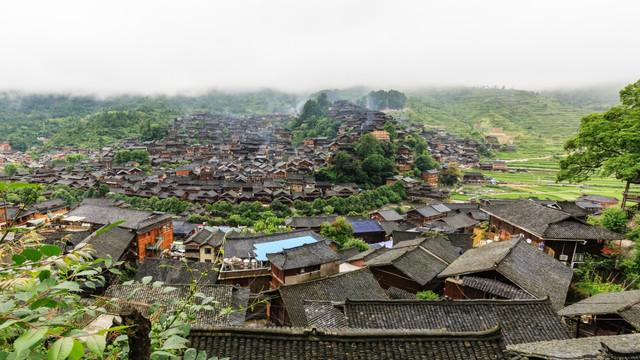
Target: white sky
x=185, y=46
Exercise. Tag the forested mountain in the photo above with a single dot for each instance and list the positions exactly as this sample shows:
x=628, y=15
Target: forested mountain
x=524, y=117
x=85, y=120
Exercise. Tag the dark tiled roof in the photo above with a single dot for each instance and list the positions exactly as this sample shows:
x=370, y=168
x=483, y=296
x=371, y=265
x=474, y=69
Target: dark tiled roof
x=479, y=259
x=521, y=321
x=73, y=237
x=391, y=215
x=389, y=226
x=358, y=284
x=530, y=269
x=395, y=293
x=442, y=248
x=624, y=303
x=323, y=315
x=537, y=273
x=458, y=221
x=204, y=236
x=113, y=242
x=495, y=287
x=414, y=262
x=136, y=219
x=300, y=344
x=345, y=254
x=226, y=295
x=575, y=229
x=175, y=271
x=305, y=255
x=616, y=347
x=527, y=215
x=399, y=236
x=463, y=241
x=369, y=254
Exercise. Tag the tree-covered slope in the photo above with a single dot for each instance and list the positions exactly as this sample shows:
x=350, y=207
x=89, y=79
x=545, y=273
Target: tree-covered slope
x=86, y=120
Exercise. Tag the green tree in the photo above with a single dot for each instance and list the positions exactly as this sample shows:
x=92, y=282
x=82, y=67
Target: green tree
x=358, y=243
x=425, y=162
x=302, y=207
x=369, y=145
x=391, y=129
x=11, y=169
x=427, y=295
x=379, y=168
x=607, y=143
x=340, y=230
x=614, y=219
x=450, y=175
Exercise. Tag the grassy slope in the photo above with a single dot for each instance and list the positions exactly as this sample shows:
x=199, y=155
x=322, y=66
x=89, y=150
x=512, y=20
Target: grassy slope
x=538, y=123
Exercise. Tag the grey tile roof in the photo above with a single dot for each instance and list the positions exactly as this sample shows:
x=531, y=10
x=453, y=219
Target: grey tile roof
x=515, y=318
x=395, y=293
x=458, y=221
x=113, y=242
x=575, y=229
x=358, y=284
x=479, y=259
x=301, y=344
x=369, y=254
x=204, y=236
x=323, y=314
x=391, y=215
x=463, y=241
x=226, y=295
x=624, y=303
x=420, y=263
x=399, y=236
x=527, y=215
x=442, y=248
x=595, y=347
x=176, y=272
x=305, y=255
x=136, y=219
x=347, y=253
x=495, y=287
x=529, y=268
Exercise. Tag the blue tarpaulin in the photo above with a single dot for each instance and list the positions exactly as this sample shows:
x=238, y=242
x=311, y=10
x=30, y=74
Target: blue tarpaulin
x=261, y=250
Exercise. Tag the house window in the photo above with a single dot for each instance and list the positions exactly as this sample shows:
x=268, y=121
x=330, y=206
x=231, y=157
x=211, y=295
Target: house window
x=207, y=251
x=578, y=257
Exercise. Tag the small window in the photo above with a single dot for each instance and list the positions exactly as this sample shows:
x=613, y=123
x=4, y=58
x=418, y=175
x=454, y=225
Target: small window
x=207, y=251
x=578, y=257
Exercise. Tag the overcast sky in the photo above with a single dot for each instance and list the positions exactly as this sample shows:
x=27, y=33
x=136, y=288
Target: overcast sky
x=186, y=46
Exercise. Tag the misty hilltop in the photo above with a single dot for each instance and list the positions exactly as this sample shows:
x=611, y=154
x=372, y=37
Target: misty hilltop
x=522, y=116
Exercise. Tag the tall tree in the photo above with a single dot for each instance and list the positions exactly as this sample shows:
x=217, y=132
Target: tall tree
x=607, y=143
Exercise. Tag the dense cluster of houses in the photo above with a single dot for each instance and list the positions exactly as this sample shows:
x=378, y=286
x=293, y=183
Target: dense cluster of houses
x=208, y=158
x=502, y=292
x=501, y=269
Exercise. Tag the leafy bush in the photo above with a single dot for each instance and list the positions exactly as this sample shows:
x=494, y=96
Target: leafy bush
x=427, y=295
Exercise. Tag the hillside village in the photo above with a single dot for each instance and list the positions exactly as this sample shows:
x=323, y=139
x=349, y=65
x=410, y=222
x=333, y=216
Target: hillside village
x=499, y=271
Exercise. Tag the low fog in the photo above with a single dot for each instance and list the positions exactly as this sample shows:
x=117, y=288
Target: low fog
x=185, y=47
